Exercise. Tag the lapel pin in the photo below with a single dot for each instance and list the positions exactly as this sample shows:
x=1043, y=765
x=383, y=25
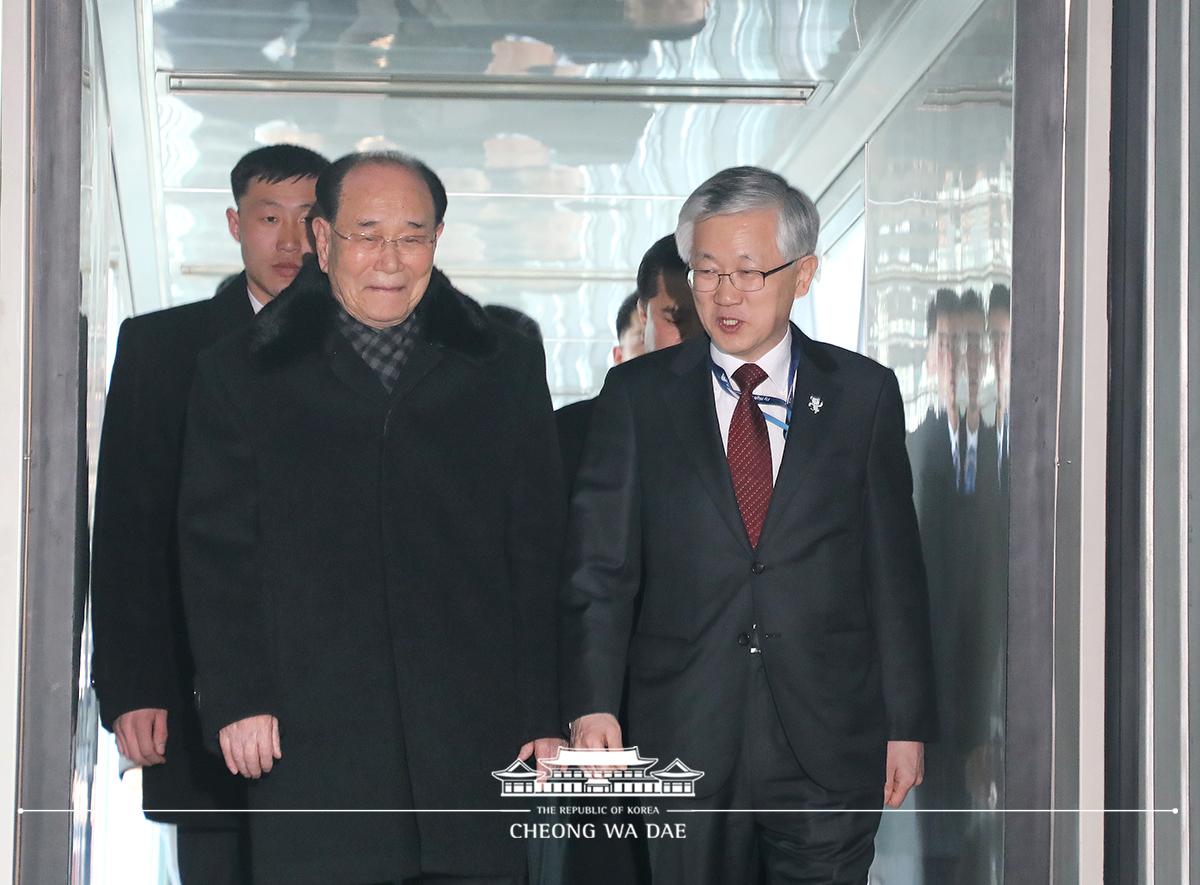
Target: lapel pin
x=814, y=403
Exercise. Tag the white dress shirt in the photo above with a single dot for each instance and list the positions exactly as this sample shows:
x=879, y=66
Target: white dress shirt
x=775, y=362
x=255, y=304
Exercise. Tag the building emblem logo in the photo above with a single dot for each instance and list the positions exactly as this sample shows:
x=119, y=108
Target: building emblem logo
x=621, y=772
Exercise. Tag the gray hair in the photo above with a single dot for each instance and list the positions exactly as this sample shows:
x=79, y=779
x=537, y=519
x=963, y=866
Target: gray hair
x=746, y=188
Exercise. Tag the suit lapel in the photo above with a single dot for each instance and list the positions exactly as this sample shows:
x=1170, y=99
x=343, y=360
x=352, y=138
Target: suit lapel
x=689, y=400
x=816, y=397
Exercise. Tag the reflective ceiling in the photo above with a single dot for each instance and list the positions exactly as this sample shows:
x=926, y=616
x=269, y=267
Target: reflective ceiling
x=723, y=39
x=552, y=202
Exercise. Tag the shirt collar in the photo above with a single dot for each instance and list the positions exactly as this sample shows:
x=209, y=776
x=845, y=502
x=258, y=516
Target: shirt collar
x=255, y=304
x=776, y=362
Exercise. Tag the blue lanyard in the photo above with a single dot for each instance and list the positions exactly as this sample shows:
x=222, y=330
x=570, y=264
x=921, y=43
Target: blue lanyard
x=760, y=398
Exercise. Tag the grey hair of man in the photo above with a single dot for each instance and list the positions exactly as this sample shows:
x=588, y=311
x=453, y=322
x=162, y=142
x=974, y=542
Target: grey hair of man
x=744, y=189
x=329, y=183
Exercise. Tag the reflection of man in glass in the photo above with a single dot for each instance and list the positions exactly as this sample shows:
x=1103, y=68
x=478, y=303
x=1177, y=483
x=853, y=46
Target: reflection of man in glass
x=970, y=327
x=933, y=446
x=999, y=322
x=934, y=450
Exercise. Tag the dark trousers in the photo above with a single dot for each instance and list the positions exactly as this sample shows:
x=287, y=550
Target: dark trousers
x=213, y=856
x=817, y=845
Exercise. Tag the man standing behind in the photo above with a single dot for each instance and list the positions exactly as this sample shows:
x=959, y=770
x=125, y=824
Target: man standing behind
x=754, y=485
x=631, y=329
x=664, y=300
x=370, y=526
x=659, y=314
x=142, y=666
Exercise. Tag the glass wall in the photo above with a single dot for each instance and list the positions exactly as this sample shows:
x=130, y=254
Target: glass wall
x=939, y=268
x=113, y=844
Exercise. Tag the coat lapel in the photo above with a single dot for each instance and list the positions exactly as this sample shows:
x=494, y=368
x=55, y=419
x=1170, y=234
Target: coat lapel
x=422, y=359
x=230, y=307
x=349, y=368
x=689, y=400
x=816, y=397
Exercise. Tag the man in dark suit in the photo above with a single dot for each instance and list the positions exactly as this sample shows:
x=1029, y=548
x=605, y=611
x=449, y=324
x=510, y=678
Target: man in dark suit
x=371, y=515
x=142, y=665
x=662, y=315
x=765, y=591
x=573, y=419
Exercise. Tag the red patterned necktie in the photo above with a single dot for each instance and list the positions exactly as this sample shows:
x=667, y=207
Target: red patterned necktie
x=749, y=453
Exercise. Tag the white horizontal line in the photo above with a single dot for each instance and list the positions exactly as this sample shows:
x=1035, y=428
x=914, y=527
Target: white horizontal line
x=1174, y=811
x=927, y=810
x=292, y=810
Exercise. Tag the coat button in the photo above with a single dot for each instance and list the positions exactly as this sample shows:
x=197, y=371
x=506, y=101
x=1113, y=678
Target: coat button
x=743, y=639
x=758, y=568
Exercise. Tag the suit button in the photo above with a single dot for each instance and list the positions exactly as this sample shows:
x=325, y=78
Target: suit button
x=743, y=639
x=758, y=568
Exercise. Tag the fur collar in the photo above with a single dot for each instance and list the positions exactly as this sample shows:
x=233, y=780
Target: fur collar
x=301, y=317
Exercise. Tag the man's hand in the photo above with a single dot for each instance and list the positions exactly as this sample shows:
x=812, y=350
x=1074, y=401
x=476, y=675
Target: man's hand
x=142, y=736
x=905, y=770
x=596, y=731
x=542, y=748
x=251, y=745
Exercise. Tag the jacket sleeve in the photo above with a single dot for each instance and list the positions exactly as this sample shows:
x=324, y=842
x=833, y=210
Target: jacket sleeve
x=230, y=620
x=534, y=535
x=133, y=659
x=896, y=576
x=603, y=566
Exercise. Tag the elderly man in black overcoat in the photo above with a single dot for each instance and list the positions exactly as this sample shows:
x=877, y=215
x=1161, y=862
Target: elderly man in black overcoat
x=371, y=520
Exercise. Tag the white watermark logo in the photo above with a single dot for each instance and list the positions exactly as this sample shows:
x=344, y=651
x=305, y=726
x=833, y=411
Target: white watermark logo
x=621, y=772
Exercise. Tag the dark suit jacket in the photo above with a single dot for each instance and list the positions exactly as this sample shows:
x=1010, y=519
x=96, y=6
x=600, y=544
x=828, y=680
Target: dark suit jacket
x=836, y=585
x=378, y=570
x=141, y=656
x=573, y=421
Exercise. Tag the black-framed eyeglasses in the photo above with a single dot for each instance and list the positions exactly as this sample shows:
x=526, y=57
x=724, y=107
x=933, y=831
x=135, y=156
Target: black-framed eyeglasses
x=742, y=280
x=375, y=242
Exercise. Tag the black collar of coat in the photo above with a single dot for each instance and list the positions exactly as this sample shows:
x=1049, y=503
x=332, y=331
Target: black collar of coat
x=299, y=320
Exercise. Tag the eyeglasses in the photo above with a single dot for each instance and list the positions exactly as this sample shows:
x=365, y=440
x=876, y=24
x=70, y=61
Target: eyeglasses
x=742, y=280
x=375, y=243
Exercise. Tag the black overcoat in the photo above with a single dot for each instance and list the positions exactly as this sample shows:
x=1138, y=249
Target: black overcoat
x=663, y=579
x=379, y=572
x=140, y=655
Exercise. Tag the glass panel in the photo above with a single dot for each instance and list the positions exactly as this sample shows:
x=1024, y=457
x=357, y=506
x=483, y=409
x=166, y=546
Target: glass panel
x=697, y=39
x=113, y=844
x=939, y=216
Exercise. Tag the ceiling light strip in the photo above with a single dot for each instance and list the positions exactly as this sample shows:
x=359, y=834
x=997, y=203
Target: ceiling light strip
x=466, y=273
x=478, y=195
x=494, y=88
